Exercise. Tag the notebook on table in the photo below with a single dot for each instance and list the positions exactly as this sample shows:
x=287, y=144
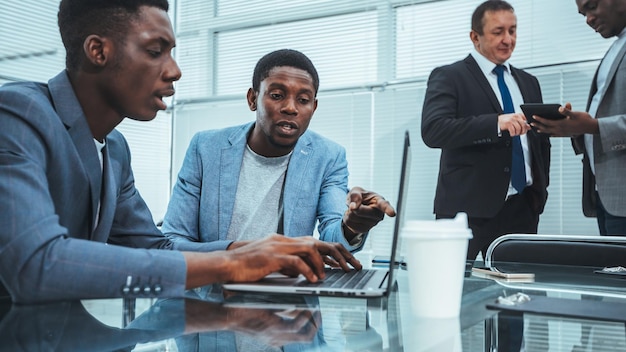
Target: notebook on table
x=376, y=282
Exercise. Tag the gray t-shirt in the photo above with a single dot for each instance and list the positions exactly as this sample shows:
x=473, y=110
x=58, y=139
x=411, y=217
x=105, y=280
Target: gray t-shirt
x=258, y=202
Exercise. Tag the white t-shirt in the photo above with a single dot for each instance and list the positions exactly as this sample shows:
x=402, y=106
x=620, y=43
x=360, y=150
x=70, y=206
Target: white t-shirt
x=258, y=203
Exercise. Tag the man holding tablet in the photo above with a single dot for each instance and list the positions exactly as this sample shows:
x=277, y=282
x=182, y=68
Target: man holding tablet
x=600, y=133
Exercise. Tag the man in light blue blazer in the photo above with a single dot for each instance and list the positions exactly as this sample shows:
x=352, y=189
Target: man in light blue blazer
x=271, y=175
x=600, y=133
x=72, y=224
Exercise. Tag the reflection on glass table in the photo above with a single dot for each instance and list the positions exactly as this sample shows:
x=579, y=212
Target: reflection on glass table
x=567, y=311
x=69, y=326
x=208, y=320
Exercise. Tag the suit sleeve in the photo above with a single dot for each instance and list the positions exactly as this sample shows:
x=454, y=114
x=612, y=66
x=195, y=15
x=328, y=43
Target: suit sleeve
x=444, y=123
x=332, y=202
x=612, y=112
x=613, y=133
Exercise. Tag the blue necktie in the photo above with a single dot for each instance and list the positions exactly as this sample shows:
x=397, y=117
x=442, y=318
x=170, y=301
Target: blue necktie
x=518, y=168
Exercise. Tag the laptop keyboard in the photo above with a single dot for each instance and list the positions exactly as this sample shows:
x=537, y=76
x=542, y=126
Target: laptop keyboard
x=341, y=279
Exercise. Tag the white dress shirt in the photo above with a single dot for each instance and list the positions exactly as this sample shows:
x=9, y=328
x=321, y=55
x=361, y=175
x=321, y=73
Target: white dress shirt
x=516, y=95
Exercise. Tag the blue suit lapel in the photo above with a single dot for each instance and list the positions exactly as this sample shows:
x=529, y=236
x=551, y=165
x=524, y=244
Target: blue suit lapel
x=91, y=165
x=297, y=173
x=107, y=201
x=72, y=115
x=231, y=158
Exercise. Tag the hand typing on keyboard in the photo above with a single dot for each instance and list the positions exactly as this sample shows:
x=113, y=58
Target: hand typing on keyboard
x=334, y=255
x=341, y=279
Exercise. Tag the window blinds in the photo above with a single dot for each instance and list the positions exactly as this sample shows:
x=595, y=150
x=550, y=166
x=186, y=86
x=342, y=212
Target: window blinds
x=374, y=58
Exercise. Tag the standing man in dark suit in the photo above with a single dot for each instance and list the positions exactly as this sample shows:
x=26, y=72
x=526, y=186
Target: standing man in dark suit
x=600, y=133
x=493, y=166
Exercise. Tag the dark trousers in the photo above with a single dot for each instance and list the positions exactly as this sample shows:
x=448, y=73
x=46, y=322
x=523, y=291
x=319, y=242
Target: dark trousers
x=609, y=225
x=516, y=216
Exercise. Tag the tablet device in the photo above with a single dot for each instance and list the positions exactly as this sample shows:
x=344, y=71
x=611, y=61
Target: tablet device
x=503, y=275
x=548, y=111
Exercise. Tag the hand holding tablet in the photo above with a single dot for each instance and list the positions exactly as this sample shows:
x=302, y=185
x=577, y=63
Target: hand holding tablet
x=548, y=111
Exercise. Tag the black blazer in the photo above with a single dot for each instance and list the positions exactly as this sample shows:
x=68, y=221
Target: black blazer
x=459, y=116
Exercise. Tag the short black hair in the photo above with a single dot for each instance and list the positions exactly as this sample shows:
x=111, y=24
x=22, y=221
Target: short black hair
x=79, y=19
x=283, y=57
x=489, y=5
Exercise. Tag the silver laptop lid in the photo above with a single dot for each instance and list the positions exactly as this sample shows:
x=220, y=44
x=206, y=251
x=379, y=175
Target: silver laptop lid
x=403, y=188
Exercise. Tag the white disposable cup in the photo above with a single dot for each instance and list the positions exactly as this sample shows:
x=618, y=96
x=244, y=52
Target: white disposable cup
x=435, y=255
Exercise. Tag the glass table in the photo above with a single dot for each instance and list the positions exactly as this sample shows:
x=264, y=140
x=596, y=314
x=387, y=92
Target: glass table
x=206, y=320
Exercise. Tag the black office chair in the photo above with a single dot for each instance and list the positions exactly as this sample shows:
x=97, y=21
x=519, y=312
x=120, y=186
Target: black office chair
x=595, y=251
x=580, y=251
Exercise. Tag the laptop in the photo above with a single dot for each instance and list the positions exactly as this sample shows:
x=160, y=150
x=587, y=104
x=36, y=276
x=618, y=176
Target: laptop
x=375, y=282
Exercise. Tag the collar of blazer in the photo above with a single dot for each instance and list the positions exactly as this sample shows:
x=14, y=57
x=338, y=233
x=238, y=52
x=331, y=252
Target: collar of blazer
x=71, y=114
x=479, y=76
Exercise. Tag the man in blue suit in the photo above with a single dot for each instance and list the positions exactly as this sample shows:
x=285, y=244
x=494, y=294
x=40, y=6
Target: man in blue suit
x=272, y=175
x=72, y=224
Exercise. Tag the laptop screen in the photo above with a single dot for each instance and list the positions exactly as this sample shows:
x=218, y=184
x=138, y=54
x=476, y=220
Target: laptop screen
x=402, y=192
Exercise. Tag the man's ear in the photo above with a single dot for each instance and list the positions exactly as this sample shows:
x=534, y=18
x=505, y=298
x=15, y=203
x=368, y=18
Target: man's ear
x=97, y=50
x=252, y=98
x=474, y=37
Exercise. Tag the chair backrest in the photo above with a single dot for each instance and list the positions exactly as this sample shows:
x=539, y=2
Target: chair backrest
x=595, y=251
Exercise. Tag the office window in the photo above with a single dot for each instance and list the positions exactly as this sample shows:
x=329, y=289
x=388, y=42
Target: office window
x=340, y=46
x=374, y=58
x=430, y=35
x=30, y=44
x=437, y=33
x=218, y=59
